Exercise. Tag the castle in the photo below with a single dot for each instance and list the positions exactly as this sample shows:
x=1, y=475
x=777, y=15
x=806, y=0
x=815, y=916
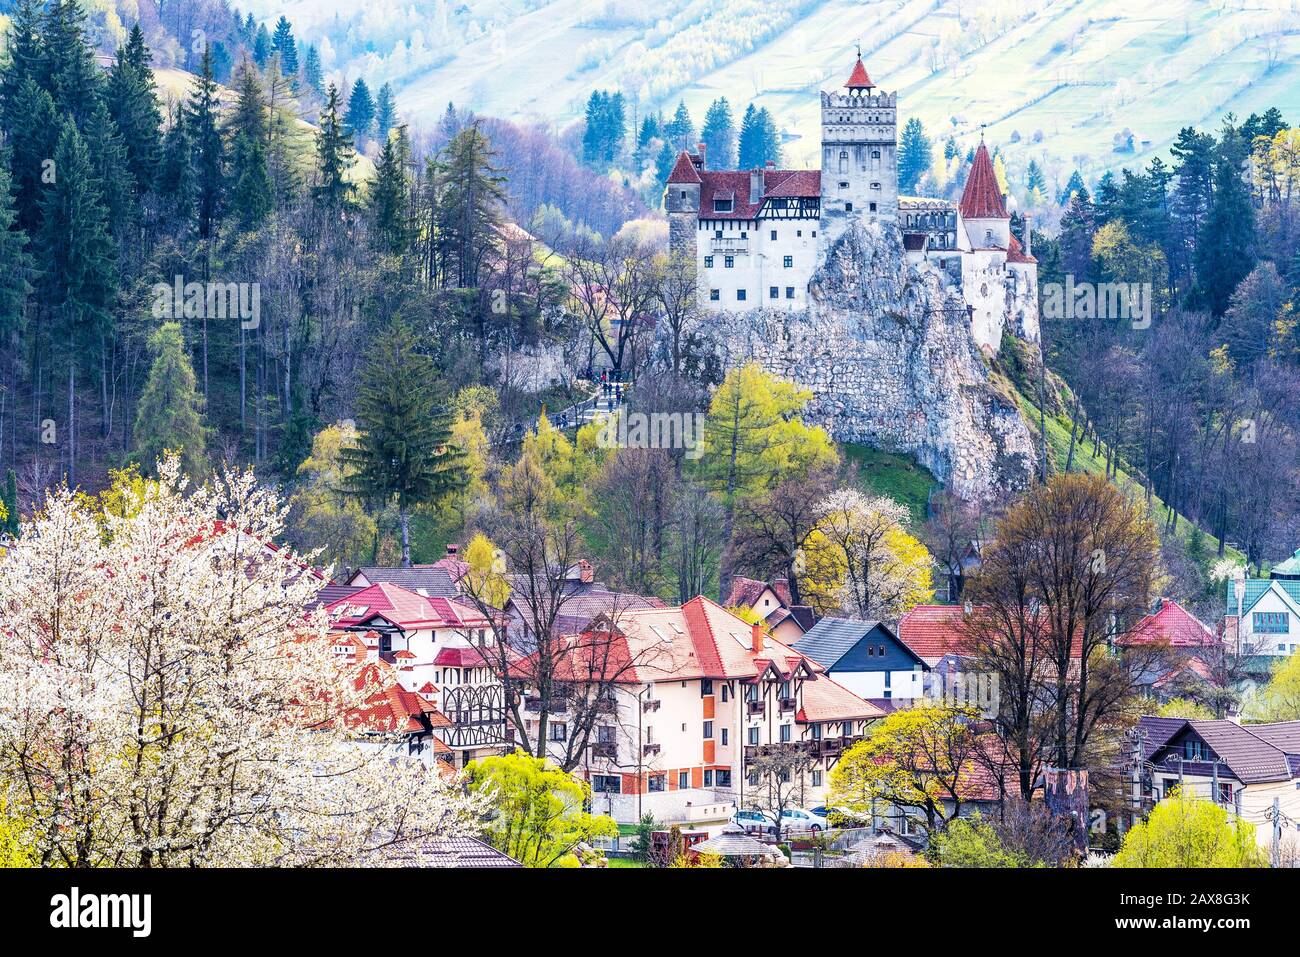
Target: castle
x=759, y=235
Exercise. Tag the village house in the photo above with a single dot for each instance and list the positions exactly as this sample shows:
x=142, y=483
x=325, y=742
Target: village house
x=786, y=622
x=1191, y=666
x=1244, y=768
x=700, y=695
x=1263, y=614
x=867, y=658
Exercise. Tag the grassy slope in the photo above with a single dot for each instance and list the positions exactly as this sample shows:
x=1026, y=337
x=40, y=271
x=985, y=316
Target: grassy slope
x=897, y=476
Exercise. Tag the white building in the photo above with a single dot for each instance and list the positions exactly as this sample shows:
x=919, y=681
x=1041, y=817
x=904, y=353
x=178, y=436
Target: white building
x=1264, y=613
x=757, y=236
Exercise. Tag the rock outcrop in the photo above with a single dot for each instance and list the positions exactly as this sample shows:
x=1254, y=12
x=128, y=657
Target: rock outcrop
x=888, y=354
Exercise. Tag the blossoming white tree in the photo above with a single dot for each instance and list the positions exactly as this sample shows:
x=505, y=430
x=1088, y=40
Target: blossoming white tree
x=165, y=700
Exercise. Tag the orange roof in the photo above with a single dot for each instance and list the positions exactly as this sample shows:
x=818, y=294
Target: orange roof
x=858, y=79
x=982, y=198
x=1174, y=624
x=684, y=171
x=1016, y=253
x=405, y=609
x=827, y=700
x=933, y=631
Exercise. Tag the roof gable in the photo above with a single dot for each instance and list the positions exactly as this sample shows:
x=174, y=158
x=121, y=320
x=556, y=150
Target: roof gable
x=982, y=197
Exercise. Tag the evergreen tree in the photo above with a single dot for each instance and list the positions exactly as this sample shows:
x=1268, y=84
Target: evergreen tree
x=25, y=60
x=115, y=182
x=311, y=69
x=361, y=109
x=1078, y=226
x=262, y=46
x=283, y=43
x=15, y=262
x=913, y=155
x=1225, y=248
x=680, y=131
x=133, y=104
x=404, y=453
x=388, y=192
x=665, y=162
x=719, y=135
x=759, y=141
x=1193, y=190
x=68, y=64
x=77, y=280
x=169, y=416
x=602, y=139
x=209, y=149
x=471, y=206
x=651, y=129
x=252, y=192
x=1035, y=184
x=385, y=112
x=1074, y=185
x=334, y=154
x=176, y=181
x=33, y=138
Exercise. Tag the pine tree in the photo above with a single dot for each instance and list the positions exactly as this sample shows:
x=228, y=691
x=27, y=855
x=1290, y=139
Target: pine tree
x=252, y=195
x=24, y=61
x=334, y=154
x=169, y=415
x=1074, y=185
x=1225, y=248
x=209, y=149
x=283, y=43
x=15, y=262
x=77, y=280
x=115, y=182
x=385, y=112
x=913, y=155
x=68, y=64
x=33, y=138
x=759, y=141
x=719, y=135
x=262, y=46
x=388, y=194
x=651, y=129
x=133, y=104
x=1035, y=183
x=311, y=69
x=680, y=130
x=471, y=206
x=404, y=453
x=361, y=109
x=177, y=185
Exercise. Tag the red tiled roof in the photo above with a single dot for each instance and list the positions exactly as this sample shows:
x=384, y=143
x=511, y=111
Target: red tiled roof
x=933, y=631
x=858, y=79
x=734, y=184
x=827, y=700
x=404, y=608
x=746, y=591
x=1173, y=624
x=459, y=658
x=1016, y=253
x=982, y=199
x=684, y=170
x=391, y=707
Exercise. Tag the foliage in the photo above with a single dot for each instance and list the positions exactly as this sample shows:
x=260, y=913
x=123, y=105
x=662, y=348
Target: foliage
x=322, y=515
x=972, y=842
x=1186, y=831
x=169, y=417
x=1184, y=708
x=539, y=818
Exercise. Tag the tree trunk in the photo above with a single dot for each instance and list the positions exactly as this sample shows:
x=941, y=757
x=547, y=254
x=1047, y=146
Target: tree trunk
x=406, y=537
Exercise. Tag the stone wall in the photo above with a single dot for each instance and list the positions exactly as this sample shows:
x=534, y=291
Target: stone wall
x=890, y=358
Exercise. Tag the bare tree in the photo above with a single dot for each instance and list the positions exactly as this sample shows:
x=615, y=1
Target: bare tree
x=772, y=530
x=780, y=771
x=612, y=290
x=698, y=540
x=637, y=487
x=677, y=289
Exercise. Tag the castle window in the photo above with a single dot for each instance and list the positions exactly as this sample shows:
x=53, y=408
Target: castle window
x=875, y=186
x=715, y=294
x=773, y=292
x=844, y=161
x=774, y=234
x=843, y=185
x=728, y=262
x=875, y=154
x=789, y=292
x=740, y=295
x=683, y=194
x=873, y=207
x=848, y=207
x=789, y=262
x=722, y=205
x=717, y=234
x=708, y=262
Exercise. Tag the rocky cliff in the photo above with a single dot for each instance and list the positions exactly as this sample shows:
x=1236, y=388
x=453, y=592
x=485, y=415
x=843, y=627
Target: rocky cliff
x=888, y=354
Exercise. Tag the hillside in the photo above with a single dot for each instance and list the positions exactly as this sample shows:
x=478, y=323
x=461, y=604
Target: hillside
x=1066, y=75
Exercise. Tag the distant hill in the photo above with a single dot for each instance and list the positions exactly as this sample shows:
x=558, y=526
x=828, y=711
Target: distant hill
x=1066, y=75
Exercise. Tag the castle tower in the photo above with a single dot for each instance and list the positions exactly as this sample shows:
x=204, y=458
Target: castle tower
x=859, y=155
x=682, y=202
x=983, y=210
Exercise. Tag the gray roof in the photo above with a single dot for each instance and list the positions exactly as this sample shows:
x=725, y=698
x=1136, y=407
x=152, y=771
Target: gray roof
x=733, y=843
x=1255, y=753
x=832, y=638
x=451, y=851
x=424, y=580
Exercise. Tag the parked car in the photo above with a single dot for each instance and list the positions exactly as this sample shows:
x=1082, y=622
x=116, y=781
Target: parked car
x=753, y=820
x=840, y=816
x=797, y=819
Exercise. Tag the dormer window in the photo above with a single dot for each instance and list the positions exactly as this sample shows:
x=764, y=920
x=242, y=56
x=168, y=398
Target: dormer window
x=722, y=205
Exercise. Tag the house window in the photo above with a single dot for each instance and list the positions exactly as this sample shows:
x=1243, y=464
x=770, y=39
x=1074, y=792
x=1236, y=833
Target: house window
x=789, y=292
x=708, y=731
x=751, y=692
x=1195, y=750
x=1272, y=623
x=607, y=784
x=656, y=782
x=708, y=262
x=715, y=294
x=1168, y=785
x=556, y=730
x=773, y=234
x=816, y=779
x=683, y=779
x=728, y=262
x=753, y=735
x=724, y=737
x=785, y=733
x=721, y=205
x=706, y=687
x=604, y=734
x=708, y=778
x=722, y=778
x=773, y=292
x=726, y=693
x=740, y=295
x=816, y=732
x=788, y=262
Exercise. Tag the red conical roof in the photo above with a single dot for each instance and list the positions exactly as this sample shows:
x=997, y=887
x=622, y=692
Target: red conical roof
x=684, y=171
x=982, y=199
x=859, y=79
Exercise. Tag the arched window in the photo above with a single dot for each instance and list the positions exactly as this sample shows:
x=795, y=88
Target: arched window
x=844, y=161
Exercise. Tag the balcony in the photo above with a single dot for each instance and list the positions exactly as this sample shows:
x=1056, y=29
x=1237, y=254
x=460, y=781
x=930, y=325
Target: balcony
x=755, y=707
x=830, y=745
x=651, y=704
x=788, y=704
x=553, y=706
x=730, y=245
x=605, y=750
x=650, y=750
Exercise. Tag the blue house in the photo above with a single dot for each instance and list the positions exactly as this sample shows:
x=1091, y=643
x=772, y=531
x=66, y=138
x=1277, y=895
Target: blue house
x=866, y=657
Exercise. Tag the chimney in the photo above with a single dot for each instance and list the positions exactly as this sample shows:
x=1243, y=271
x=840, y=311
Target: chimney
x=703, y=159
x=1029, y=236
x=755, y=186
x=452, y=549
x=770, y=164
x=756, y=637
x=586, y=574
